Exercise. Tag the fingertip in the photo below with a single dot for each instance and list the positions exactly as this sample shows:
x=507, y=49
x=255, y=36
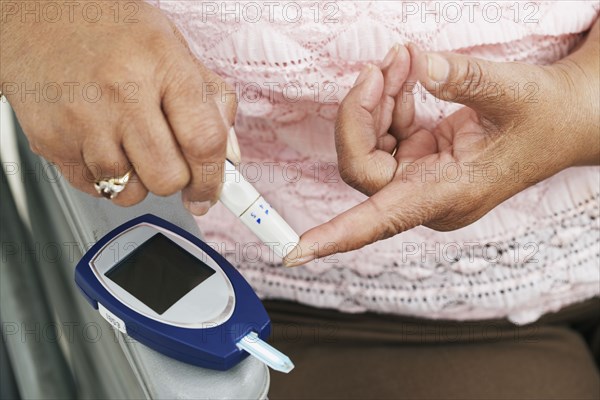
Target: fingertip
x=413, y=49
x=398, y=53
x=428, y=67
x=397, y=71
x=403, y=55
x=197, y=208
x=390, y=56
x=371, y=89
x=417, y=63
x=299, y=255
x=364, y=72
x=438, y=68
x=403, y=50
x=367, y=89
x=199, y=203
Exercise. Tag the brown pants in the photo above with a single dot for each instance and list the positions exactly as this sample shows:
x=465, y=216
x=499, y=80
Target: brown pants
x=371, y=356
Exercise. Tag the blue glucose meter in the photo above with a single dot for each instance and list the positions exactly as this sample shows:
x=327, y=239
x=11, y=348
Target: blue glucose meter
x=172, y=292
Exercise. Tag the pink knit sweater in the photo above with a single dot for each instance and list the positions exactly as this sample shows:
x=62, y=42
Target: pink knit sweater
x=292, y=62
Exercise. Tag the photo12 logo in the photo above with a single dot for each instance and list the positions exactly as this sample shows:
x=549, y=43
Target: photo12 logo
x=270, y=11
x=69, y=11
x=70, y=92
x=470, y=11
x=289, y=92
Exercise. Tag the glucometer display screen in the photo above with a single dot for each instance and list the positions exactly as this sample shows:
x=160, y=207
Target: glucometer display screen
x=159, y=273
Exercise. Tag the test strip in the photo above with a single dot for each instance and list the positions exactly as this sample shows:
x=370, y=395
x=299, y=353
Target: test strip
x=265, y=353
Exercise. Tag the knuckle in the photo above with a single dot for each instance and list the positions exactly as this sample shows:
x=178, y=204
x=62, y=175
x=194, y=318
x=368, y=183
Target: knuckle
x=451, y=222
x=444, y=220
x=206, y=141
x=351, y=117
x=391, y=226
x=368, y=175
x=206, y=181
x=206, y=190
x=473, y=78
x=181, y=80
x=351, y=175
x=156, y=40
x=169, y=181
x=114, y=69
x=73, y=113
x=441, y=217
x=99, y=164
x=165, y=58
x=127, y=122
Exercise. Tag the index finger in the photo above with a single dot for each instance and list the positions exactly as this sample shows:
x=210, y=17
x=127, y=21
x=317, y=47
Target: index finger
x=202, y=136
x=362, y=165
x=381, y=216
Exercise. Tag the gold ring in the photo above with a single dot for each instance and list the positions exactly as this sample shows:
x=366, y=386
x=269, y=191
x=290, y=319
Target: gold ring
x=110, y=188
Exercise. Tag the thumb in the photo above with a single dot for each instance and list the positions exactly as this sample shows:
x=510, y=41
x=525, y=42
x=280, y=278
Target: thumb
x=480, y=84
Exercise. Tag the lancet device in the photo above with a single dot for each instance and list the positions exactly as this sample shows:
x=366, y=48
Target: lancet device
x=172, y=292
x=242, y=199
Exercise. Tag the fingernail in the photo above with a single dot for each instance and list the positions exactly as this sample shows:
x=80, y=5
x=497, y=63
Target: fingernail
x=437, y=67
x=364, y=73
x=233, y=147
x=391, y=55
x=297, y=261
x=197, y=208
x=295, y=258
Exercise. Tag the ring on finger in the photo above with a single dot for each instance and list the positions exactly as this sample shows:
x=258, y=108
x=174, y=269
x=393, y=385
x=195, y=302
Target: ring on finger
x=110, y=188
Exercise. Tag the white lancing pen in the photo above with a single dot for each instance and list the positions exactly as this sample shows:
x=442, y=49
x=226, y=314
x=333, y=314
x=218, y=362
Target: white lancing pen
x=242, y=199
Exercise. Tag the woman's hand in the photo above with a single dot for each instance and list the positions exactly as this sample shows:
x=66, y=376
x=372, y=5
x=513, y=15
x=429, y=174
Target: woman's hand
x=522, y=124
x=97, y=98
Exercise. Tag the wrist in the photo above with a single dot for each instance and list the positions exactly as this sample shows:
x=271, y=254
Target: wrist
x=578, y=104
x=576, y=111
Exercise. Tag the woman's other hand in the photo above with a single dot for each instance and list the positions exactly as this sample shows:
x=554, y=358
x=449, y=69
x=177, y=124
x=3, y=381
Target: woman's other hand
x=448, y=176
x=97, y=96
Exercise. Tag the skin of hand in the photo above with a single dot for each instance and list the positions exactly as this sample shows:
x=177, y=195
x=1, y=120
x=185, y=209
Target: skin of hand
x=519, y=141
x=160, y=119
